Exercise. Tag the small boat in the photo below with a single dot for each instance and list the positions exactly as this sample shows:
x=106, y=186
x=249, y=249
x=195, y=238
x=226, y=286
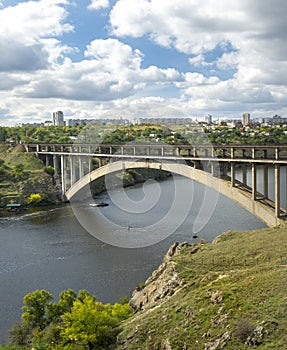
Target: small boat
x=194, y=236
x=100, y=204
x=13, y=207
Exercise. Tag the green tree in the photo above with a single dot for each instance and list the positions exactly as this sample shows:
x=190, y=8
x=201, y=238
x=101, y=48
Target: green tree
x=3, y=134
x=56, y=309
x=91, y=324
x=34, y=310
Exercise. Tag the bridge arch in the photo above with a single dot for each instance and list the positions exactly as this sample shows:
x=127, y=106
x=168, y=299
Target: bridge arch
x=224, y=187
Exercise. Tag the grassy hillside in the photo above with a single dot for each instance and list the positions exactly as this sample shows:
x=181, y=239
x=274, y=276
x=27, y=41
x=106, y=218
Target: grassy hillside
x=22, y=174
x=232, y=294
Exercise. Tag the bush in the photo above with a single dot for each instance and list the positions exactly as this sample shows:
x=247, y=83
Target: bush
x=49, y=170
x=35, y=198
x=243, y=330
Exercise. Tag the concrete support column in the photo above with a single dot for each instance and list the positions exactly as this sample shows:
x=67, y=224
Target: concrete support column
x=213, y=154
x=276, y=153
x=254, y=181
x=81, y=167
x=253, y=153
x=196, y=164
x=213, y=167
x=47, y=160
x=232, y=174
x=277, y=189
x=147, y=151
x=232, y=153
x=244, y=174
x=90, y=160
x=224, y=169
x=265, y=181
x=72, y=170
x=63, y=174
x=55, y=164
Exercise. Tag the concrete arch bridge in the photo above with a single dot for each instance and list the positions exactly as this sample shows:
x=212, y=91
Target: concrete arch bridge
x=215, y=166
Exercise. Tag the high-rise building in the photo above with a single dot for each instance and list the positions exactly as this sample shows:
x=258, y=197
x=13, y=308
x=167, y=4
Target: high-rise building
x=208, y=119
x=245, y=118
x=58, y=118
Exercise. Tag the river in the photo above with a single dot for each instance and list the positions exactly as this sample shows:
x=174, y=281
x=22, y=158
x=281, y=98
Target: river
x=49, y=249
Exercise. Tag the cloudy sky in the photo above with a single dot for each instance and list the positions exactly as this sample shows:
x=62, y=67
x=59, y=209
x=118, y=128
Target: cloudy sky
x=89, y=58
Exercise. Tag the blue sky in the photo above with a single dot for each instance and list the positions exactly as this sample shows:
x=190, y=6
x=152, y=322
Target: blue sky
x=89, y=58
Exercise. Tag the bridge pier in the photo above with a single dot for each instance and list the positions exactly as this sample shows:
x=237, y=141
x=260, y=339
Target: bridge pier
x=232, y=174
x=254, y=181
x=81, y=167
x=224, y=169
x=244, y=174
x=72, y=170
x=277, y=189
x=265, y=181
x=90, y=162
x=63, y=175
x=56, y=164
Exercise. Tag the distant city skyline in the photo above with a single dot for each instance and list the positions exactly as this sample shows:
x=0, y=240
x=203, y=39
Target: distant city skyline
x=98, y=58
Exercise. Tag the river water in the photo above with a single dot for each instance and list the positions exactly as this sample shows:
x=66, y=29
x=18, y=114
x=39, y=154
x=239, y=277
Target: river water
x=49, y=249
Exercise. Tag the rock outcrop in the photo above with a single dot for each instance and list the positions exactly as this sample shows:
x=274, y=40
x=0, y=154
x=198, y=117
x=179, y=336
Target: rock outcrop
x=163, y=283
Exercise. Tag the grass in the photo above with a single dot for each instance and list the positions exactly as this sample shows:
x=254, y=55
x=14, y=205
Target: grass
x=234, y=285
x=18, y=186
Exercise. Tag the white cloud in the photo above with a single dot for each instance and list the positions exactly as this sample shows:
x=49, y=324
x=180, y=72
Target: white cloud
x=98, y=4
x=25, y=30
x=256, y=30
x=112, y=70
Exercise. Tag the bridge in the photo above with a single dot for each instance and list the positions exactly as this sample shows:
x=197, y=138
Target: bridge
x=213, y=165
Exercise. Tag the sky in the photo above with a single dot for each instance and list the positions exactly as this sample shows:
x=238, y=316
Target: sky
x=141, y=58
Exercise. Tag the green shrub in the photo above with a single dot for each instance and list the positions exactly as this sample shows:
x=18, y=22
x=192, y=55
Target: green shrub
x=35, y=198
x=49, y=170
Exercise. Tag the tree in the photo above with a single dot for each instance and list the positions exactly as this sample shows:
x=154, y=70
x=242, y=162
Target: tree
x=91, y=324
x=3, y=134
x=65, y=304
x=34, y=310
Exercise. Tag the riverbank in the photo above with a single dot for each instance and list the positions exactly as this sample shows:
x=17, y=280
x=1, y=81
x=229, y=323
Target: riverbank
x=229, y=294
